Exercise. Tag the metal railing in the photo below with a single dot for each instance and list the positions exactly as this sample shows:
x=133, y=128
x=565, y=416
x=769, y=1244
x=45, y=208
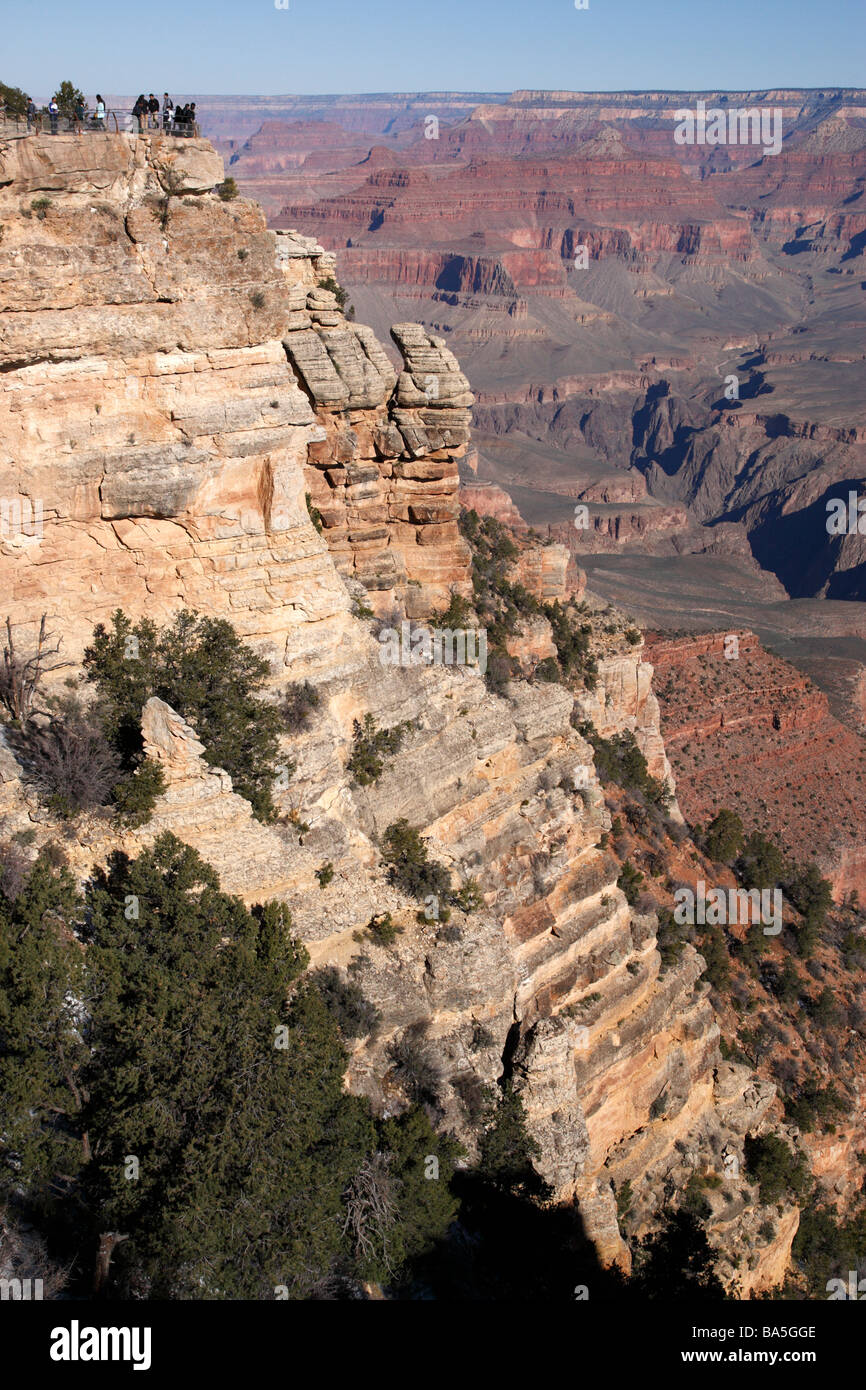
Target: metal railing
x=116, y=122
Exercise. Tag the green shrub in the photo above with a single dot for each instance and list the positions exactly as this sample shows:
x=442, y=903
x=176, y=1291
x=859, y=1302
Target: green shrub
x=199, y=667
x=572, y=642
x=714, y=951
x=547, y=670
x=619, y=760
x=670, y=938
x=469, y=897
x=457, y=614
x=824, y=1009
x=227, y=190
x=777, y=1170
x=814, y=1105
x=68, y=97
x=135, y=796
x=694, y=1201
x=201, y=988
x=325, y=874
x=381, y=929
x=629, y=881
x=624, y=1199
x=336, y=290
x=14, y=100
x=760, y=864
x=346, y=1002
x=723, y=839
x=371, y=745
x=315, y=515
x=301, y=701
x=812, y=896
x=506, y=1148
x=409, y=867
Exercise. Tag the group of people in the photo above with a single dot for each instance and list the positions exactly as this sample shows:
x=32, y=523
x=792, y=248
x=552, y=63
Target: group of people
x=178, y=120
x=146, y=110
x=77, y=117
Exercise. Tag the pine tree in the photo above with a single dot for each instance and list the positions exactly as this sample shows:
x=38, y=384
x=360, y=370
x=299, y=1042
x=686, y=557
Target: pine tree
x=41, y=1047
x=203, y=670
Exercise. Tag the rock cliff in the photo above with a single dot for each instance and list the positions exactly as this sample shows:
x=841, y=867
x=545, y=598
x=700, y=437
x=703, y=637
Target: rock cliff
x=177, y=378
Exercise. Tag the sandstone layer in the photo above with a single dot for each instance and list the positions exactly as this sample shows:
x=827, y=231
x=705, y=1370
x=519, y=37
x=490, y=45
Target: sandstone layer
x=169, y=401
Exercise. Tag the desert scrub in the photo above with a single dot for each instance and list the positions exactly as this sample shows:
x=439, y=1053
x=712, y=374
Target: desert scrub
x=299, y=705
x=346, y=1002
x=629, y=881
x=201, y=668
x=336, y=290
x=314, y=514
x=371, y=745
x=227, y=190
x=381, y=929
x=409, y=867
x=619, y=760
x=325, y=874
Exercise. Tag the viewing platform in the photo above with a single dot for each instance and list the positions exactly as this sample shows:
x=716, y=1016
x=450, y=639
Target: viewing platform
x=116, y=122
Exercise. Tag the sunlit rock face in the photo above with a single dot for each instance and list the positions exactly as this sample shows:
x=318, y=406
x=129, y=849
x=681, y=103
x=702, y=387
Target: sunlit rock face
x=177, y=379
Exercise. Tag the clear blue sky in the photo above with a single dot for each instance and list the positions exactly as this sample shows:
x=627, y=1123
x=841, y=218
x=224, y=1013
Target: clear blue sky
x=249, y=46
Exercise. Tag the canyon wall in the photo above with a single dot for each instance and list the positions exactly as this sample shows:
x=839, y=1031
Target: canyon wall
x=747, y=730
x=177, y=378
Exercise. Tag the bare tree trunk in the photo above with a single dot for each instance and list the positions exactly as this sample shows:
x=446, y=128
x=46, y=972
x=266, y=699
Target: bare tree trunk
x=108, y=1242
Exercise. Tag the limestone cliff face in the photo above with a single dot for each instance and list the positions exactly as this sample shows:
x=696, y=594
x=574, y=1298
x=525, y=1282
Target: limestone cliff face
x=170, y=400
x=156, y=426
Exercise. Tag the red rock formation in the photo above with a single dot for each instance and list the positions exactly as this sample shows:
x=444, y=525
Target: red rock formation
x=751, y=732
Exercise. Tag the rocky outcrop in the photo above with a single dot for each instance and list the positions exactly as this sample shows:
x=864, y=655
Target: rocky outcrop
x=170, y=401
x=383, y=473
x=625, y=278
x=153, y=428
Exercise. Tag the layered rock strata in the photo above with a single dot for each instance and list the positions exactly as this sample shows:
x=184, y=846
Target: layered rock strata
x=170, y=401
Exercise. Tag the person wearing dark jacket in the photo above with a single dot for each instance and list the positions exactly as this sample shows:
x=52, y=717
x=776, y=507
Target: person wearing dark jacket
x=139, y=110
x=153, y=109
